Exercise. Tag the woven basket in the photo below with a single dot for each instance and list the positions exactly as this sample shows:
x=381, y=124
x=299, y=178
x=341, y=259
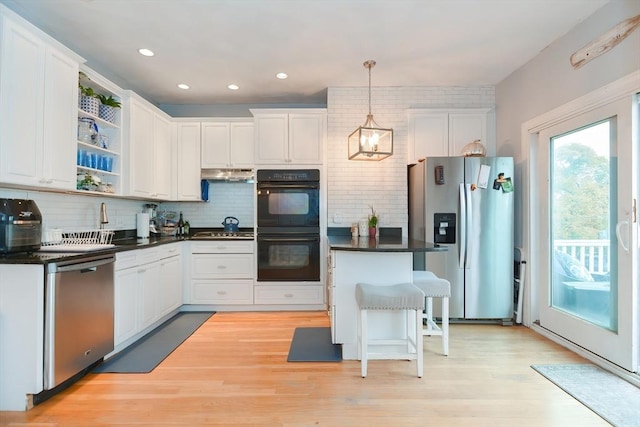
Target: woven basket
x=108, y=113
x=90, y=104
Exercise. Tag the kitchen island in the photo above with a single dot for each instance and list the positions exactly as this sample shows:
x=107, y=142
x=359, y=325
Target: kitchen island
x=378, y=261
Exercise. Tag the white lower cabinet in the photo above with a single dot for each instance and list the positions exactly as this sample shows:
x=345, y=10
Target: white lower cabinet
x=289, y=294
x=221, y=272
x=126, y=303
x=21, y=334
x=170, y=284
x=206, y=291
x=148, y=286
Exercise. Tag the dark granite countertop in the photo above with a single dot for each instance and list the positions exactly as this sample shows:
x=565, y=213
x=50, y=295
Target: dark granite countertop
x=381, y=244
x=124, y=240
x=121, y=245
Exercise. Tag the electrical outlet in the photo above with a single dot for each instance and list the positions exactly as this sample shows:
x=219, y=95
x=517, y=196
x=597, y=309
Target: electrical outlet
x=337, y=218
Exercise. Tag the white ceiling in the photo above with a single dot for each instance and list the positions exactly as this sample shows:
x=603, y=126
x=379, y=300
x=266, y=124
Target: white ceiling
x=209, y=44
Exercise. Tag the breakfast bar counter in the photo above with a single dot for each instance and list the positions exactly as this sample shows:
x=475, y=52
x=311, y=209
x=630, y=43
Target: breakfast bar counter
x=381, y=244
x=377, y=261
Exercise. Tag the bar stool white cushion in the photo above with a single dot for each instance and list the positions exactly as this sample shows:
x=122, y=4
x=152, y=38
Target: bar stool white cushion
x=434, y=287
x=403, y=296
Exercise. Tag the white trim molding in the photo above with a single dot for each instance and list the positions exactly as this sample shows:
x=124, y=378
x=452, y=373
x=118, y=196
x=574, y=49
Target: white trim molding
x=626, y=86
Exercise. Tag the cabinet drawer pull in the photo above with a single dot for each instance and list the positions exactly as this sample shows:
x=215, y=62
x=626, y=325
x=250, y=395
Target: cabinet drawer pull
x=288, y=295
x=222, y=292
x=222, y=267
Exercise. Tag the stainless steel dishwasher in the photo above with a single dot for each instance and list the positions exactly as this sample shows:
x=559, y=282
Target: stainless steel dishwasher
x=78, y=316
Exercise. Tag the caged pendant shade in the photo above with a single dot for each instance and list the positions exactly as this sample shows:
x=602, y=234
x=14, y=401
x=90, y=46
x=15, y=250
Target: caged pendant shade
x=370, y=141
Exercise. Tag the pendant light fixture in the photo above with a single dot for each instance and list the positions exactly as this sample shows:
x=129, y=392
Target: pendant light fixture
x=370, y=141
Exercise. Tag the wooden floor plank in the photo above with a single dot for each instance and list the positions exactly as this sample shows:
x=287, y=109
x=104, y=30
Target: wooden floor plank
x=234, y=371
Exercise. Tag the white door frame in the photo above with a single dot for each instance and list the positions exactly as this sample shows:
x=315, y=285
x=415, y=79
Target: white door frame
x=620, y=89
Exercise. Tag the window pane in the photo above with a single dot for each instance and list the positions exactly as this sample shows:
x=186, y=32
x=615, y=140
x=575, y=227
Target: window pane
x=583, y=196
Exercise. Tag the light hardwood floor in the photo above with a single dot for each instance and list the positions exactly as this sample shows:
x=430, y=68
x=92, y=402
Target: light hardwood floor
x=234, y=371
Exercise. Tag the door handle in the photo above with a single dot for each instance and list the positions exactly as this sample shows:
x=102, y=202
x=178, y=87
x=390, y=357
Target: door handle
x=469, y=224
x=619, y=225
x=462, y=227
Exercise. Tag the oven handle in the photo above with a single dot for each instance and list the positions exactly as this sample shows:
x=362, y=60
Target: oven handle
x=287, y=186
x=289, y=239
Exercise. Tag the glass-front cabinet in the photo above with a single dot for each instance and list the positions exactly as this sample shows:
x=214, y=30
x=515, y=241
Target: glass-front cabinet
x=99, y=136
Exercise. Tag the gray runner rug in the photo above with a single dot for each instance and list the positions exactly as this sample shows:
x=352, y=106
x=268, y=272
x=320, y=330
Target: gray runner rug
x=609, y=396
x=147, y=353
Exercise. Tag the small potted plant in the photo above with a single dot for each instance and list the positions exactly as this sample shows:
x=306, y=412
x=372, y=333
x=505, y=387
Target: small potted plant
x=108, y=107
x=89, y=101
x=373, y=222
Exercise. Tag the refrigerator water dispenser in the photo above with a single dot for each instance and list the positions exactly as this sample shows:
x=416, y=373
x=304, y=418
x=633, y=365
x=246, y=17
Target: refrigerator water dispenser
x=444, y=228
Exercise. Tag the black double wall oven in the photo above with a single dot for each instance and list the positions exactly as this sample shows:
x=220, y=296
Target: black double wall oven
x=288, y=214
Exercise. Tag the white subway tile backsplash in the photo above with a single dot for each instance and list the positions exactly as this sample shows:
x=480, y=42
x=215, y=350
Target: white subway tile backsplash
x=73, y=212
x=225, y=199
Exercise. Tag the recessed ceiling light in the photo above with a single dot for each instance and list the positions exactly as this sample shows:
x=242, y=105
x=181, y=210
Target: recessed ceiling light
x=281, y=76
x=146, y=52
x=233, y=87
x=183, y=86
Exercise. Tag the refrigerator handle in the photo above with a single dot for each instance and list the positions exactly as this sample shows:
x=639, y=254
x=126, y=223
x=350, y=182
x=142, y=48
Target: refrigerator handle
x=469, y=224
x=462, y=228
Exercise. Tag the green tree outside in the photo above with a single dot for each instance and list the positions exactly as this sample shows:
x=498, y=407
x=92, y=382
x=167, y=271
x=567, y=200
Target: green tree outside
x=580, y=189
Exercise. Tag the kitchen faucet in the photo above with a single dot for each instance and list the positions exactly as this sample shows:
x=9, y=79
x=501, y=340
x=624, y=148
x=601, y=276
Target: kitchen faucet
x=103, y=215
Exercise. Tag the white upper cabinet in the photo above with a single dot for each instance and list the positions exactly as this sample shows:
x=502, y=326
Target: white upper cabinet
x=441, y=132
x=188, y=167
x=38, y=104
x=289, y=136
x=227, y=144
x=150, y=148
x=164, y=151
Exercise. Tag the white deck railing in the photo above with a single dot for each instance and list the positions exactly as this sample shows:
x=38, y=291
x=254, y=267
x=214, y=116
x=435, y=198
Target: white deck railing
x=593, y=254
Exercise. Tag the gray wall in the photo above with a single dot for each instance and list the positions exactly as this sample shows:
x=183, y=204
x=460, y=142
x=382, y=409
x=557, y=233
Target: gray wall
x=549, y=81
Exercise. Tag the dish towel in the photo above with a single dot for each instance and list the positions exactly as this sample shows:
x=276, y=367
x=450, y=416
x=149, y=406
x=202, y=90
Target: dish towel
x=204, y=190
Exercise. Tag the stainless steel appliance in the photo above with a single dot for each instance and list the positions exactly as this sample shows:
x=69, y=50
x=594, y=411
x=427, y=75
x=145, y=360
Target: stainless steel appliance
x=227, y=175
x=288, y=257
x=288, y=198
x=466, y=203
x=20, y=226
x=288, y=216
x=79, y=305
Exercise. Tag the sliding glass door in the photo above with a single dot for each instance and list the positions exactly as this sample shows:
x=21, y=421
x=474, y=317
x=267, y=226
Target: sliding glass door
x=590, y=242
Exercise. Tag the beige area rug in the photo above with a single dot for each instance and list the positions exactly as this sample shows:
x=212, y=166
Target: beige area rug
x=609, y=396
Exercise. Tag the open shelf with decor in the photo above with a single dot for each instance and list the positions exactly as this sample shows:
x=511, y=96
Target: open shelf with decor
x=99, y=141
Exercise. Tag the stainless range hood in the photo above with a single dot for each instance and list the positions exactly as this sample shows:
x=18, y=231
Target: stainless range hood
x=228, y=175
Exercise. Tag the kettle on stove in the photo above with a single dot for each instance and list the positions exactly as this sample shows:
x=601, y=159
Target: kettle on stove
x=230, y=224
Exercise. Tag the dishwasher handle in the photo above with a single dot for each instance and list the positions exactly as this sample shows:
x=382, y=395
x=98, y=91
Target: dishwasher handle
x=84, y=266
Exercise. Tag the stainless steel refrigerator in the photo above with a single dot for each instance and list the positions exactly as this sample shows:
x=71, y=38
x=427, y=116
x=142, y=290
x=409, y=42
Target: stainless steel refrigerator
x=466, y=204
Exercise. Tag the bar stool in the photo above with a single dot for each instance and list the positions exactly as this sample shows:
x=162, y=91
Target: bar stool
x=403, y=296
x=434, y=287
